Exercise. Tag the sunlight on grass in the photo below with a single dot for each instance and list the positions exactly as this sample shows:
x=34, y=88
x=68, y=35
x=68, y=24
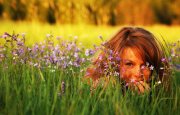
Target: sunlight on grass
x=87, y=34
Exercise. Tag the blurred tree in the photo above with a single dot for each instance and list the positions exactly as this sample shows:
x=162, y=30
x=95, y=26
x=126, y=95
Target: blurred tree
x=67, y=11
x=163, y=11
x=51, y=15
x=101, y=11
x=17, y=9
x=97, y=12
x=1, y=8
x=109, y=11
x=42, y=9
x=93, y=10
x=33, y=10
x=135, y=12
x=176, y=10
x=51, y=18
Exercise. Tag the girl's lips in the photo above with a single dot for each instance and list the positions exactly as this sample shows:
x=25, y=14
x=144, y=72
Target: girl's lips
x=135, y=80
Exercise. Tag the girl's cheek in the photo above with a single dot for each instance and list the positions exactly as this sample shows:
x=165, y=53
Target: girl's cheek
x=124, y=74
x=147, y=75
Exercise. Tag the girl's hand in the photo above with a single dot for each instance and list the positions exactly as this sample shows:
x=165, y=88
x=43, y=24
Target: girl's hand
x=139, y=86
x=142, y=86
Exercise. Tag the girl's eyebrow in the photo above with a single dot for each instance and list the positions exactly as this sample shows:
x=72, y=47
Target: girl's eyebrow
x=126, y=60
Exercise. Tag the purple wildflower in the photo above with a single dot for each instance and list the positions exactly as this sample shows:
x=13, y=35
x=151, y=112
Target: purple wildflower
x=20, y=51
x=143, y=67
x=100, y=57
x=91, y=52
x=23, y=34
x=1, y=55
x=20, y=43
x=76, y=55
x=118, y=59
x=4, y=36
x=69, y=47
x=177, y=66
x=76, y=64
x=110, y=58
x=163, y=59
x=100, y=37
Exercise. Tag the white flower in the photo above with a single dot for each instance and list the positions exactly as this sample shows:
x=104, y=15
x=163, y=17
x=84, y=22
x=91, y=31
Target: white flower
x=161, y=68
x=52, y=70
x=23, y=34
x=132, y=80
x=75, y=37
x=36, y=64
x=116, y=73
x=48, y=35
x=147, y=63
x=100, y=57
x=159, y=82
x=70, y=63
x=75, y=55
x=87, y=52
x=151, y=67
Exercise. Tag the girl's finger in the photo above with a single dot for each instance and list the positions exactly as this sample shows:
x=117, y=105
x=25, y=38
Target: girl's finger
x=146, y=85
x=140, y=87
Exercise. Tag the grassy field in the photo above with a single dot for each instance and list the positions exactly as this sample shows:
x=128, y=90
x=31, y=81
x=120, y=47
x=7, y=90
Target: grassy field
x=87, y=34
x=46, y=79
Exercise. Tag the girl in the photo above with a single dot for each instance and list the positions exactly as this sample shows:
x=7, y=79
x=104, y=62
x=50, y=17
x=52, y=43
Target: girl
x=134, y=53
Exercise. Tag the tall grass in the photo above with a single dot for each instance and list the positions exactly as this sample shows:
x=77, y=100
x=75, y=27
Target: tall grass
x=23, y=91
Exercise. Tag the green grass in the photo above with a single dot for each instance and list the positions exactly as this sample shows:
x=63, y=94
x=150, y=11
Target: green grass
x=23, y=91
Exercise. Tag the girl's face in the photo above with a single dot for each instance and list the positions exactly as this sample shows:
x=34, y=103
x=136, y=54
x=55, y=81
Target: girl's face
x=133, y=69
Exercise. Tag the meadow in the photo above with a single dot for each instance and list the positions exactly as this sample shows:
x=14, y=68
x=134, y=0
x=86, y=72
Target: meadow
x=42, y=68
x=87, y=34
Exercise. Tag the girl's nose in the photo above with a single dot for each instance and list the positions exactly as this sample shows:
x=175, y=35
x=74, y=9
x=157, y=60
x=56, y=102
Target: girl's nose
x=137, y=73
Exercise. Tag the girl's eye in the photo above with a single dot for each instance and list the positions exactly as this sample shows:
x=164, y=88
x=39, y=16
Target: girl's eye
x=129, y=64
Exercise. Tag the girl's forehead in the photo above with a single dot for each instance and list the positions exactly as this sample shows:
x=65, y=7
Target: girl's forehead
x=131, y=54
